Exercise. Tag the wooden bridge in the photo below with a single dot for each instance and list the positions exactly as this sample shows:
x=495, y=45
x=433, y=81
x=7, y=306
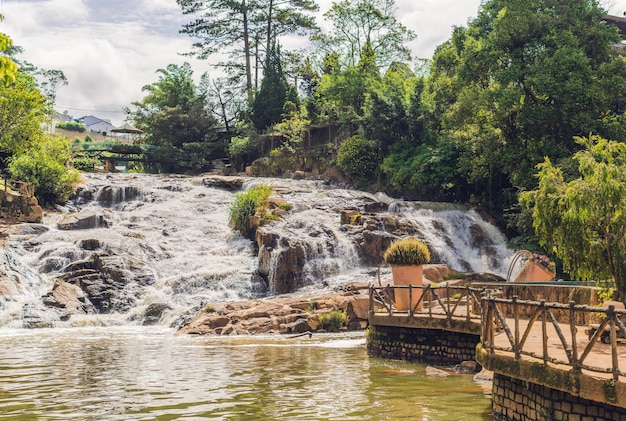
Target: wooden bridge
x=567, y=352
x=111, y=152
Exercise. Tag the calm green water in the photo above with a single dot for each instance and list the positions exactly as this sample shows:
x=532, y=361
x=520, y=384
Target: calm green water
x=151, y=374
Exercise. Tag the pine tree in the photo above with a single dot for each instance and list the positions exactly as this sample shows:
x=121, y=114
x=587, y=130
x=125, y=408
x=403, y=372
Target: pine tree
x=267, y=108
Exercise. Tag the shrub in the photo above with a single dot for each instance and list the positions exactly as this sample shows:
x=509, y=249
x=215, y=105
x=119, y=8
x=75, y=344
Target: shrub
x=246, y=205
x=333, y=320
x=85, y=163
x=407, y=251
x=45, y=165
x=71, y=125
x=357, y=157
x=285, y=206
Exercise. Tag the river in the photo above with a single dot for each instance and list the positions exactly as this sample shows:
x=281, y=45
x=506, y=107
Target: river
x=170, y=243
x=138, y=373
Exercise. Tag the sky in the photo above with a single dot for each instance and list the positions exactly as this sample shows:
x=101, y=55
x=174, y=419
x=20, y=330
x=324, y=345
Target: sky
x=110, y=49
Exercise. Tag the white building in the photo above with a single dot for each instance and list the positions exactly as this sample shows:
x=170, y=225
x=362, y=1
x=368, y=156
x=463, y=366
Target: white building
x=96, y=125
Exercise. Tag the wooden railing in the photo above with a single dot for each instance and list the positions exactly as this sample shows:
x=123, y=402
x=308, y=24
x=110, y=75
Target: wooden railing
x=459, y=302
x=571, y=349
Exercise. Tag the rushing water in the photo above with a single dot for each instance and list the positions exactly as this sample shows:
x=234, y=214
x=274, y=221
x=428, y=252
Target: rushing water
x=174, y=232
x=150, y=374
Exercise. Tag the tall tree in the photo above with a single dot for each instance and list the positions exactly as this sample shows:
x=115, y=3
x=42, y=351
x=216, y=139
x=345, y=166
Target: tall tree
x=224, y=102
x=342, y=94
x=365, y=22
x=269, y=103
x=238, y=28
x=24, y=111
x=173, y=114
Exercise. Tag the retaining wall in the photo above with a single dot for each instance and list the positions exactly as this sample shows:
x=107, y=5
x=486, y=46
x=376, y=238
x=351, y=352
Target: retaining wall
x=431, y=346
x=519, y=400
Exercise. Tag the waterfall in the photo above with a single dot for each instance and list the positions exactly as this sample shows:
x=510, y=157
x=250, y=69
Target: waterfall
x=168, y=248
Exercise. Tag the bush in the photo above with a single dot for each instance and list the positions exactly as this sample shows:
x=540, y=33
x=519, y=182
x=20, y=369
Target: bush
x=333, y=320
x=246, y=205
x=85, y=162
x=357, y=157
x=45, y=165
x=243, y=150
x=73, y=126
x=407, y=251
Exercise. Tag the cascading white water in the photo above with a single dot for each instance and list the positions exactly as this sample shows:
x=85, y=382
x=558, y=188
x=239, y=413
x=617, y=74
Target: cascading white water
x=172, y=233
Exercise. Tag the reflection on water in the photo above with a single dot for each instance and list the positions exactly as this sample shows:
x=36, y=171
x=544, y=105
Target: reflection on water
x=149, y=374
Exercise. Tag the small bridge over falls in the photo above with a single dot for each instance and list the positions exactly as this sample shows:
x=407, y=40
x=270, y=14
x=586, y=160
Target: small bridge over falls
x=116, y=152
x=547, y=361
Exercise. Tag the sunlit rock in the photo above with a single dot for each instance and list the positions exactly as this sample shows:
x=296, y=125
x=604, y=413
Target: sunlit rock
x=85, y=219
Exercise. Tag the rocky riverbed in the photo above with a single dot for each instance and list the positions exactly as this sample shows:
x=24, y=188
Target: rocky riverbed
x=284, y=314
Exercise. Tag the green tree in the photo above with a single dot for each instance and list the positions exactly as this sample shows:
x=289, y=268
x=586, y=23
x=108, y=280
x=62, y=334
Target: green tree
x=8, y=68
x=243, y=30
x=24, y=111
x=361, y=23
x=268, y=105
x=342, y=94
x=173, y=115
x=582, y=218
x=520, y=82
x=357, y=157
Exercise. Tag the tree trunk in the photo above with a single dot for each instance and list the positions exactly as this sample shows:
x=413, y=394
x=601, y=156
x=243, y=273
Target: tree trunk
x=246, y=44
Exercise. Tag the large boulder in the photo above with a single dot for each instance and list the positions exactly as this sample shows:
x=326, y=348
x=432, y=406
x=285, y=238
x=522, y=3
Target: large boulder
x=229, y=183
x=85, y=219
x=68, y=297
x=281, y=261
x=111, y=283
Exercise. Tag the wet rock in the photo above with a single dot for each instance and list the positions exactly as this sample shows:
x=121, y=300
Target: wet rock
x=298, y=326
x=85, y=219
x=374, y=244
x=111, y=283
x=229, y=183
x=91, y=244
x=359, y=308
x=467, y=367
x=281, y=261
x=298, y=175
x=437, y=272
x=69, y=297
x=350, y=217
x=435, y=372
x=484, y=376
x=8, y=286
x=111, y=195
x=33, y=319
x=154, y=313
x=334, y=174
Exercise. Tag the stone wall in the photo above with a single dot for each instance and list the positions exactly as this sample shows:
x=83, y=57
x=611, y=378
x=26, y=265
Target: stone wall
x=432, y=346
x=519, y=400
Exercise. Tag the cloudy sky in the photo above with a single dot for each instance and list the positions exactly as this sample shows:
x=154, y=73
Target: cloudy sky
x=109, y=50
